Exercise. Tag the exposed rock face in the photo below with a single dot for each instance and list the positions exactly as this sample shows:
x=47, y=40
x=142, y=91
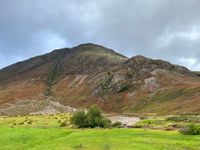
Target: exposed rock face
x=144, y=66
x=92, y=74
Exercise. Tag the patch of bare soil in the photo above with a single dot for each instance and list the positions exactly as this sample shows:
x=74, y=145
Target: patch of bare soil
x=126, y=121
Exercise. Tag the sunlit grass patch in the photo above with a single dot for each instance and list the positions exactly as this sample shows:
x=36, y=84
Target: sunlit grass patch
x=48, y=121
x=98, y=139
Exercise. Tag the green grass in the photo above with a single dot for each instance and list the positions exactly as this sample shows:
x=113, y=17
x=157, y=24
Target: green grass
x=45, y=133
x=95, y=139
x=172, y=122
x=36, y=121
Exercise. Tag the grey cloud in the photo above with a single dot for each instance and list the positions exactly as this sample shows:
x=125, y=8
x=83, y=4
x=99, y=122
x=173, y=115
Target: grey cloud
x=154, y=28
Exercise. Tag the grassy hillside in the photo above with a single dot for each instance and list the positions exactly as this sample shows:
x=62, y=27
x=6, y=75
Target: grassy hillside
x=173, y=101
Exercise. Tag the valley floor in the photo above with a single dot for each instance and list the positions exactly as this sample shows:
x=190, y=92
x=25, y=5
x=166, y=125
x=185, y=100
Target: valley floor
x=97, y=139
x=46, y=133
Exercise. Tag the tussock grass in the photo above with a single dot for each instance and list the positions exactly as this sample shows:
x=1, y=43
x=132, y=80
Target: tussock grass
x=36, y=121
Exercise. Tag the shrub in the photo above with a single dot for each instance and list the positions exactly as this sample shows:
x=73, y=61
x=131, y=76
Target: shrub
x=105, y=123
x=117, y=124
x=63, y=124
x=149, y=122
x=21, y=123
x=191, y=130
x=29, y=122
x=93, y=118
x=78, y=119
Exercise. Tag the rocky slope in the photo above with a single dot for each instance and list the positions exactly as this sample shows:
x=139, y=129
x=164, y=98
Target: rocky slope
x=92, y=74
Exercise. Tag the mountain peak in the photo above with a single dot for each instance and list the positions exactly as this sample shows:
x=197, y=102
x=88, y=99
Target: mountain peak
x=95, y=50
x=89, y=45
x=139, y=58
x=93, y=74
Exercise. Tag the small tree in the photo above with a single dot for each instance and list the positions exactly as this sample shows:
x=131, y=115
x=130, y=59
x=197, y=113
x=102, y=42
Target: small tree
x=93, y=118
x=78, y=119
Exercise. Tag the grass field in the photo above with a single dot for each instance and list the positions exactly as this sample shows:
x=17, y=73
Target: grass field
x=45, y=133
x=173, y=122
x=36, y=121
x=97, y=139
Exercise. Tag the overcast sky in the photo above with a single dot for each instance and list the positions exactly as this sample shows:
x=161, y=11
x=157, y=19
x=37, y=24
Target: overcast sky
x=164, y=29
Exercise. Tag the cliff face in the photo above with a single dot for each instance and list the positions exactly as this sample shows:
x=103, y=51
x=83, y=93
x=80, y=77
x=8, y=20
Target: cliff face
x=92, y=74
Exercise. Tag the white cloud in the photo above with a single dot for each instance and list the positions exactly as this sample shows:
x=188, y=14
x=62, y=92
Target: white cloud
x=191, y=63
x=191, y=35
x=49, y=41
x=155, y=28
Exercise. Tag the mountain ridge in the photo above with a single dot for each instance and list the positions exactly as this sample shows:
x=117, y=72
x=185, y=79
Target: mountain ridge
x=92, y=74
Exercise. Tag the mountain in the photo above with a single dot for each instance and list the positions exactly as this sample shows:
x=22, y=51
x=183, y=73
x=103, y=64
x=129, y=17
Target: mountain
x=92, y=74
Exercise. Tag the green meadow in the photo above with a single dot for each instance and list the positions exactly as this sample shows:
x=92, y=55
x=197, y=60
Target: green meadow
x=54, y=132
